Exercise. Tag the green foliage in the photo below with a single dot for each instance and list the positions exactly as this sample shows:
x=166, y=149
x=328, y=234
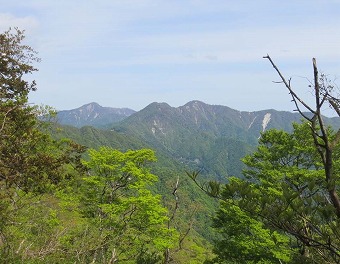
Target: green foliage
x=283, y=194
x=31, y=162
x=244, y=239
x=117, y=201
x=167, y=169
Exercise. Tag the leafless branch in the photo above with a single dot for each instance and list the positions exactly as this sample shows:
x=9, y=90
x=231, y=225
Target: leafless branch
x=295, y=98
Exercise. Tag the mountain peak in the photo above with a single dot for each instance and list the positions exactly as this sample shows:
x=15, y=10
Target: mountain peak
x=92, y=104
x=91, y=107
x=93, y=114
x=157, y=104
x=195, y=102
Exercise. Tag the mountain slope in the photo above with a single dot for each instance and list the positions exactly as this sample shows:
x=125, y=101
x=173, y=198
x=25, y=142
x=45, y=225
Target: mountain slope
x=211, y=138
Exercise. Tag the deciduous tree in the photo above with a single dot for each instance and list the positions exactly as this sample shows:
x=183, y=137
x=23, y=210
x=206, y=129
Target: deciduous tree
x=131, y=220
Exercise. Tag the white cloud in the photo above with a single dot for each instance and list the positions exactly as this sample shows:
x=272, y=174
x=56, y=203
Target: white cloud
x=8, y=20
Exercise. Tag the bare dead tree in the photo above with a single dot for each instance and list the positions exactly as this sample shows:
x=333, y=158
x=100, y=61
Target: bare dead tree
x=183, y=235
x=174, y=193
x=322, y=141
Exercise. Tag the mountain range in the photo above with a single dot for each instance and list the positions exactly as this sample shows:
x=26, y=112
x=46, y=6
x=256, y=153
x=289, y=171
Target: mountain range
x=211, y=138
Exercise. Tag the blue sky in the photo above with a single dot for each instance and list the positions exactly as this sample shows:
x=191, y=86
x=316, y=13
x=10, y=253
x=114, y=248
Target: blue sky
x=134, y=52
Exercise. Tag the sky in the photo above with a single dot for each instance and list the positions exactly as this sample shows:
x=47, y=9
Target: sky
x=130, y=53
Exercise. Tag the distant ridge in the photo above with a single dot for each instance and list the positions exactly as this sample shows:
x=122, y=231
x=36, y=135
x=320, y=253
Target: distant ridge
x=93, y=114
x=212, y=138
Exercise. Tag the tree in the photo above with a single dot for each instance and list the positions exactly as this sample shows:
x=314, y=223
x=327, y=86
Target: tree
x=290, y=188
x=325, y=141
x=29, y=157
x=283, y=189
x=31, y=162
x=16, y=60
x=244, y=239
x=279, y=211
x=116, y=199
